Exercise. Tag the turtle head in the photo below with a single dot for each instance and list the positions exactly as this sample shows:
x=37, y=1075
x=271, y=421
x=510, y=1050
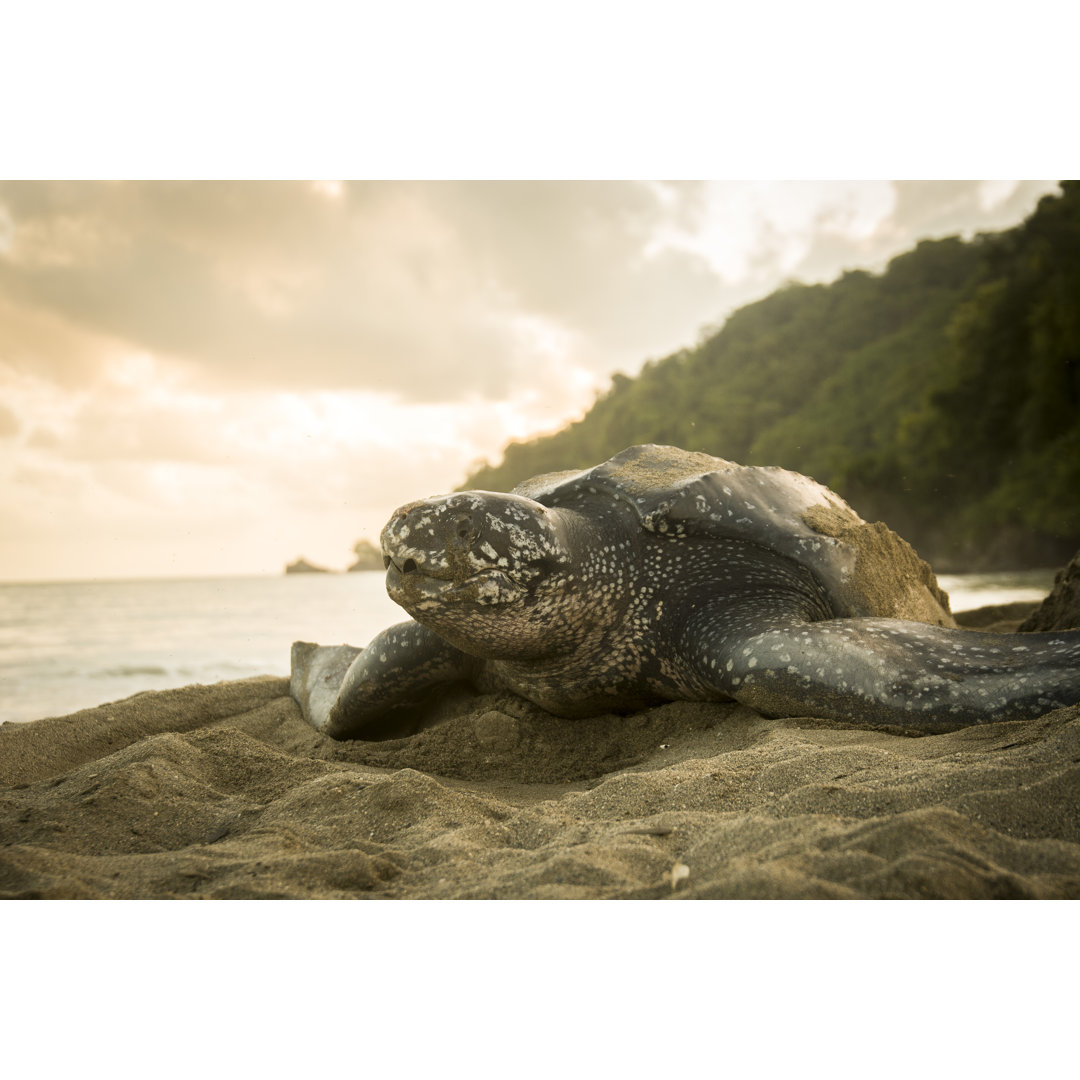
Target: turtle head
x=483, y=570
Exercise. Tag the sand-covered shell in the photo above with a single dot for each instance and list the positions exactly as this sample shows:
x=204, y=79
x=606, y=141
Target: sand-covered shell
x=865, y=569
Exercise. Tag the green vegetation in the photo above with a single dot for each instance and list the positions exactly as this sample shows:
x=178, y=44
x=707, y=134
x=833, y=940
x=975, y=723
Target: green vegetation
x=941, y=396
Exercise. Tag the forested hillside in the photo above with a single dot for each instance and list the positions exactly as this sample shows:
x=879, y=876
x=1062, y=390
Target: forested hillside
x=941, y=396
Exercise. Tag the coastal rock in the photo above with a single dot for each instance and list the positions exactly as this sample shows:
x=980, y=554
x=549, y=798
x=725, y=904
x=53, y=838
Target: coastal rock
x=302, y=566
x=368, y=557
x=1061, y=609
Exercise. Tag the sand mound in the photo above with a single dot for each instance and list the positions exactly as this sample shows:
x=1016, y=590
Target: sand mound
x=1061, y=609
x=224, y=791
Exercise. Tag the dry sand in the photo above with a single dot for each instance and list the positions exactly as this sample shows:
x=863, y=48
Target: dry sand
x=224, y=791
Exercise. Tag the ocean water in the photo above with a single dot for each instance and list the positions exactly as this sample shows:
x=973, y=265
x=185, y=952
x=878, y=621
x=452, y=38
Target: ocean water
x=70, y=645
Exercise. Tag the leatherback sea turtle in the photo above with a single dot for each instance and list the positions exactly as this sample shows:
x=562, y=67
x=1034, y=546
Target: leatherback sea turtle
x=667, y=575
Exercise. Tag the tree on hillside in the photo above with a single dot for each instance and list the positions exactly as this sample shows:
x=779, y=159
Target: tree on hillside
x=942, y=395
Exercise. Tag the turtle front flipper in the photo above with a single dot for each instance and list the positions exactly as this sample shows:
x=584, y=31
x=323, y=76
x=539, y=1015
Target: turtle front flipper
x=895, y=672
x=350, y=693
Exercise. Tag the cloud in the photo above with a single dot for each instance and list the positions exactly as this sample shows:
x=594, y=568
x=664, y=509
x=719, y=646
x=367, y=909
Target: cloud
x=427, y=291
x=9, y=423
x=137, y=471
x=218, y=377
x=583, y=256
x=917, y=209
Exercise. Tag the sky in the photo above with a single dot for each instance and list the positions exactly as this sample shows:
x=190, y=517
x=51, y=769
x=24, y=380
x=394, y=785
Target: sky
x=210, y=378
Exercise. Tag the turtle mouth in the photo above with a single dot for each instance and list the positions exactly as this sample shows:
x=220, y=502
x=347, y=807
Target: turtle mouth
x=414, y=586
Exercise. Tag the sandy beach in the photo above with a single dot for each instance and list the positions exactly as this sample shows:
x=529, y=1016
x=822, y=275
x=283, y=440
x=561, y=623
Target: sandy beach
x=225, y=792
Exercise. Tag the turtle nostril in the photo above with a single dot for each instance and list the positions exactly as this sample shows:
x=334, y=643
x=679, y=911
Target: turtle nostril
x=465, y=527
x=386, y=561
x=408, y=566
